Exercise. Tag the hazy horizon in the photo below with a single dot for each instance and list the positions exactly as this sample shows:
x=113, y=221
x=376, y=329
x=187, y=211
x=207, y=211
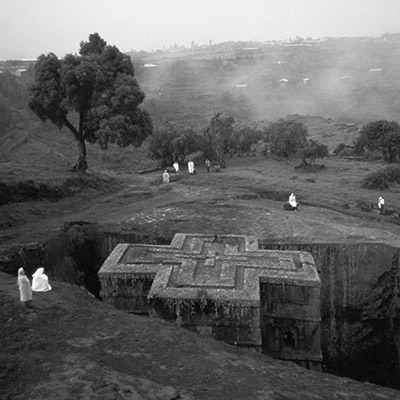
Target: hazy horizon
x=30, y=28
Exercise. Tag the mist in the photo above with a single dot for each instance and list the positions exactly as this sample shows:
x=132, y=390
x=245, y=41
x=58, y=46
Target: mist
x=349, y=79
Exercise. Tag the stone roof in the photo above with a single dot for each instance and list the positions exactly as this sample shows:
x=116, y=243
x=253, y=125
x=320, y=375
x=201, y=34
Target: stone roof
x=228, y=267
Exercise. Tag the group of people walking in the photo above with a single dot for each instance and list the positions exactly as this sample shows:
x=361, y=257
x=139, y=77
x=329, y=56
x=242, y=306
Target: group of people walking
x=191, y=169
x=40, y=283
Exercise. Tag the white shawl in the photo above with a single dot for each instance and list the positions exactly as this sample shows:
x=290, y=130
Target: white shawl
x=40, y=281
x=24, y=286
x=292, y=200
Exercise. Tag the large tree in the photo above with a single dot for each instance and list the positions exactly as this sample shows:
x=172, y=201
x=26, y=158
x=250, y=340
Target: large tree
x=383, y=136
x=286, y=137
x=94, y=94
x=218, y=138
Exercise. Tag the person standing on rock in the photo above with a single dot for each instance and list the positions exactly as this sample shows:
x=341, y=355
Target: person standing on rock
x=25, y=292
x=381, y=204
x=40, y=281
x=165, y=177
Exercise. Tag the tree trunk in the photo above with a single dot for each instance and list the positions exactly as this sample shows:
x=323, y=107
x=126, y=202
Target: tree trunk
x=81, y=165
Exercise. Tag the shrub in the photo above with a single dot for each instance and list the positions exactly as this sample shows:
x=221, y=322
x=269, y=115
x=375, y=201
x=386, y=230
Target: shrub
x=339, y=148
x=376, y=180
x=383, y=136
x=381, y=179
x=346, y=152
x=373, y=155
x=393, y=173
x=364, y=205
x=314, y=150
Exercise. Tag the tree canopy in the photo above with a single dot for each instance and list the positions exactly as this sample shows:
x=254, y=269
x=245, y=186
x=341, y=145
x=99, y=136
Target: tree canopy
x=286, y=137
x=172, y=143
x=383, y=136
x=314, y=150
x=94, y=94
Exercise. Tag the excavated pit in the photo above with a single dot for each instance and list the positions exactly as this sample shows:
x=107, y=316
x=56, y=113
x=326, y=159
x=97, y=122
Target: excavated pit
x=360, y=308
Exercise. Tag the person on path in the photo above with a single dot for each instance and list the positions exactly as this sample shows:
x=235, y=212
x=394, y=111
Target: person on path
x=165, y=177
x=208, y=163
x=176, y=166
x=40, y=281
x=191, y=167
x=293, y=202
x=381, y=204
x=25, y=291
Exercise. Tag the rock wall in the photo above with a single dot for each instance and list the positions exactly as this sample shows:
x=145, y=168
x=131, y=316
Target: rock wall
x=360, y=305
x=73, y=255
x=360, y=308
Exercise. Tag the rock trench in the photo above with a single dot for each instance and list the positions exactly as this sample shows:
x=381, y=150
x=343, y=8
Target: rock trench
x=360, y=302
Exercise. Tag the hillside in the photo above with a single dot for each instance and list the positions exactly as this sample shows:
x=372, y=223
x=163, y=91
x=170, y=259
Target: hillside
x=347, y=79
x=74, y=347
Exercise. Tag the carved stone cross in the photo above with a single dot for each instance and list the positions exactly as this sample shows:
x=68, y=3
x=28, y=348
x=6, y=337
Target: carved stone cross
x=221, y=286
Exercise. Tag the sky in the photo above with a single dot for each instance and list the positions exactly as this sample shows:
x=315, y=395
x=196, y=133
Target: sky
x=29, y=28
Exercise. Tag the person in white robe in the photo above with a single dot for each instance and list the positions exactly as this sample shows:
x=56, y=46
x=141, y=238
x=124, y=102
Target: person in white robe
x=176, y=166
x=40, y=281
x=381, y=204
x=165, y=177
x=293, y=202
x=25, y=291
x=191, y=167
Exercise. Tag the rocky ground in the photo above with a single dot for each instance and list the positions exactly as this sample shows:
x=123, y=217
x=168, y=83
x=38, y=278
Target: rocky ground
x=75, y=347
x=247, y=197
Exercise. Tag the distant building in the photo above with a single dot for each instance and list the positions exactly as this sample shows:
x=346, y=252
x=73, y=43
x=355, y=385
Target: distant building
x=248, y=52
x=20, y=72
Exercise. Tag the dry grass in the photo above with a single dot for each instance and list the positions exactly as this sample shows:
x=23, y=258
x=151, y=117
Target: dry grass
x=339, y=183
x=44, y=153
